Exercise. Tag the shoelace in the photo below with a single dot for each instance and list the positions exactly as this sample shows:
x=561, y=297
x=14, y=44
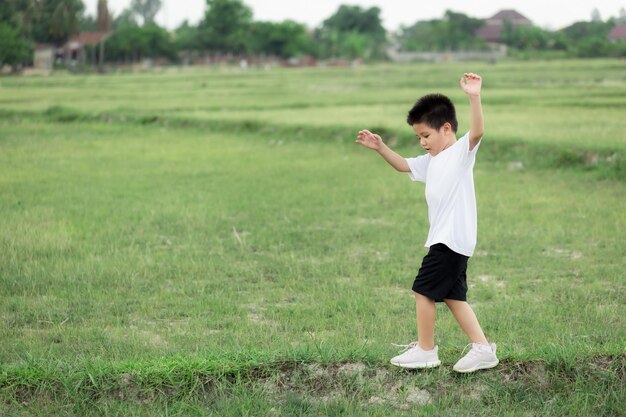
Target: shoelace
x=406, y=347
x=472, y=351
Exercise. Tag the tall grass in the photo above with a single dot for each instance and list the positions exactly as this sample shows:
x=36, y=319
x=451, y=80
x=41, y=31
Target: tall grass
x=160, y=256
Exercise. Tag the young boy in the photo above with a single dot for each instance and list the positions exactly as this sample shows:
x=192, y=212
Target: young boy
x=447, y=170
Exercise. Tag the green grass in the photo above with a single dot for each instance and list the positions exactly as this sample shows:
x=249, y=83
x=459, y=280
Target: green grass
x=227, y=252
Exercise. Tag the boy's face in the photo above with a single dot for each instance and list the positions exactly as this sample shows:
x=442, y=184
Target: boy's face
x=434, y=140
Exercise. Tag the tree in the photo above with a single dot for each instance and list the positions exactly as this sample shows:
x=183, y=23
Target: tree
x=186, y=37
x=355, y=45
x=104, y=18
x=7, y=11
x=454, y=32
x=356, y=19
x=133, y=43
x=126, y=18
x=59, y=19
x=580, y=31
x=595, y=15
x=13, y=49
x=146, y=9
x=593, y=47
x=285, y=39
x=525, y=37
x=224, y=28
x=352, y=32
x=104, y=25
x=21, y=14
x=460, y=31
x=88, y=23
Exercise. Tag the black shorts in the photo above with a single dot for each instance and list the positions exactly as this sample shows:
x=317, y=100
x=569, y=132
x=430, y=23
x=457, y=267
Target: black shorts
x=442, y=275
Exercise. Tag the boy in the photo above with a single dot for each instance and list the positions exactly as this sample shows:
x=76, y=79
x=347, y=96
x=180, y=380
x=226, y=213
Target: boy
x=447, y=171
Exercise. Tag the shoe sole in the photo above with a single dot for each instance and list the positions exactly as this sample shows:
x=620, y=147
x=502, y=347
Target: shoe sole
x=484, y=365
x=418, y=365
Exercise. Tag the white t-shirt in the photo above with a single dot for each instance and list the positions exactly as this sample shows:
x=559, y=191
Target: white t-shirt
x=449, y=195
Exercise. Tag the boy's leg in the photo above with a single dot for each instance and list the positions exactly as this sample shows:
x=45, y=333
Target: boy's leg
x=466, y=318
x=482, y=355
x=423, y=353
x=425, y=313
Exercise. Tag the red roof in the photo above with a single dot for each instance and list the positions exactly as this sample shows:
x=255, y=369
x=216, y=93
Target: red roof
x=89, y=38
x=618, y=33
x=490, y=33
x=511, y=15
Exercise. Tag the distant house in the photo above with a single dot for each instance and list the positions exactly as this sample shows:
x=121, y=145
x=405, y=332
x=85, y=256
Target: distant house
x=491, y=32
x=74, y=49
x=618, y=33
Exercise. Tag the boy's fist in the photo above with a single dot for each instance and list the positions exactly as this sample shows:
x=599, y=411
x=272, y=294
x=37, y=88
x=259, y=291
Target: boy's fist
x=471, y=83
x=369, y=140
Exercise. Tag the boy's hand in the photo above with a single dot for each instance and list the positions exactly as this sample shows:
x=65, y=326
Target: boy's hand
x=369, y=140
x=471, y=83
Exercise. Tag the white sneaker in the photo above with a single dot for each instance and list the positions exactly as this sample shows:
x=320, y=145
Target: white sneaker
x=414, y=357
x=479, y=357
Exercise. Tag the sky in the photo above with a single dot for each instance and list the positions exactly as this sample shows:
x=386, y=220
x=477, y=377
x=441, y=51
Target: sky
x=548, y=14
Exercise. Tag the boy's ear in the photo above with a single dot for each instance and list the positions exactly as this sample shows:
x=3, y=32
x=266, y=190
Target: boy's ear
x=447, y=128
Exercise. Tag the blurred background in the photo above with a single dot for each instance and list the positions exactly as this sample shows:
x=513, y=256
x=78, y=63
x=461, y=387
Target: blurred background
x=85, y=35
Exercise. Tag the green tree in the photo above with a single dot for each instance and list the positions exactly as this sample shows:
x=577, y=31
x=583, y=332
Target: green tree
x=186, y=37
x=13, y=49
x=21, y=14
x=285, y=39
x=455, y=32
x=88, y=23
x=355, y=45
x=459, y=31
x=589, y=39
x=428, y=35
x=580, y=31
x=558, y=41
x=352, y=32
x=126, y=18
x=58, y=21
x=356, y=19
x=594, y=47
x=7, y=10
x=146, y=9
x=526, y=37
x=160, y=43
x=225, y=26
x=133, y=43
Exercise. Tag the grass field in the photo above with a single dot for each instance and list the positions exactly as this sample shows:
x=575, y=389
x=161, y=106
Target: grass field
x=212, y=242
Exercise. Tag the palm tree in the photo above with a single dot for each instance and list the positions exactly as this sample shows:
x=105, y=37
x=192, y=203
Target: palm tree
x=23, y=15
x=62, y=18
x=147, y=9
x=103, y=23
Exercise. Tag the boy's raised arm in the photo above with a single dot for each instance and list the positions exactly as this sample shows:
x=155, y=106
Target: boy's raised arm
x=373, y=141
x=472, y=83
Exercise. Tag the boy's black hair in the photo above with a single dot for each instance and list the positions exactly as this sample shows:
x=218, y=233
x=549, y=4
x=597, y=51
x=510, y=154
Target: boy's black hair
x=434, y=110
